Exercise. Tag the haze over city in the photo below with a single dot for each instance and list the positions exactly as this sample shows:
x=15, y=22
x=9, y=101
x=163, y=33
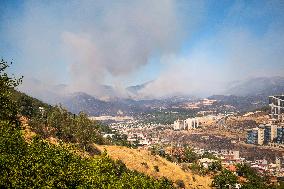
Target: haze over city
x=178, y=47
x=147, y=94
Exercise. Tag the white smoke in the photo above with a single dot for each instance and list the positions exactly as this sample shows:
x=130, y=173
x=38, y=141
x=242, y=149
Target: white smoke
x=97, y=40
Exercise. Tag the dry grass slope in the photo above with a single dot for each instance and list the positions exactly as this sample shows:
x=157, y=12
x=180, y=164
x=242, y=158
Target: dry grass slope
x=143, y=161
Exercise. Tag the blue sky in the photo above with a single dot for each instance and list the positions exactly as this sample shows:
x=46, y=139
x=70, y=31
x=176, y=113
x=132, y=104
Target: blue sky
x=190, y=47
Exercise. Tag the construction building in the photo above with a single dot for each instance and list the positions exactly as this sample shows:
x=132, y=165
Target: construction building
x=276, y=104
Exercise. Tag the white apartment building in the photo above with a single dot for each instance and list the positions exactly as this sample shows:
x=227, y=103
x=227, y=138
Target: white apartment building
x=191, y=123
x=178, y=125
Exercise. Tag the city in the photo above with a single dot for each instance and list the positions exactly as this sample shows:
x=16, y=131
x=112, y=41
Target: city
x=267, y=138
x=163, y=94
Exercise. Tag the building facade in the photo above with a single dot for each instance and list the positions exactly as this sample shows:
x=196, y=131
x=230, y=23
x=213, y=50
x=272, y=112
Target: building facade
x=178, y=125
x=276, y=104
x=191, y=123
x=252, y=136
x=280, y=135
x=255, y=136
x=274, y=131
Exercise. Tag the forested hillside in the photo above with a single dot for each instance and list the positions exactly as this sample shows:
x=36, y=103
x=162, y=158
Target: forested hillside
x=40, y=164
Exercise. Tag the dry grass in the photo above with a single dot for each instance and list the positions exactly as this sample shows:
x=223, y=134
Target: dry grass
x=143, y=161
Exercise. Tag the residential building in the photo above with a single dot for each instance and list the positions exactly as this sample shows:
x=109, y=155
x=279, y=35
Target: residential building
x=270, y=132
x=278, y=162
x=255, y=136
x=178, y=125
x=280, y=135
x=276, y=104
x=267, y=133
x=191, y=123
x=252, y=135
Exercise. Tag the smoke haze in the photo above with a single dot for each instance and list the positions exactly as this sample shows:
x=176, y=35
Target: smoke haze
x=198, y=47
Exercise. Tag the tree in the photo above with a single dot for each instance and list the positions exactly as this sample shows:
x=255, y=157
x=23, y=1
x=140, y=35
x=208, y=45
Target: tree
x=8, y=111
x=180, y=183
x=224, y=179
x=209, y=155
x=254, y=180
x=26, y=107
x=86, y=131
x=190, y=156
x=215, y=166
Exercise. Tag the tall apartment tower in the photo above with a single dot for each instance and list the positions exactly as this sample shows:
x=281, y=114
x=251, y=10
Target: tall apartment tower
x=276, y=104
x=191, y=123
x=178, y=124
x=274, y=131
x=255, y=136
x=270, y=132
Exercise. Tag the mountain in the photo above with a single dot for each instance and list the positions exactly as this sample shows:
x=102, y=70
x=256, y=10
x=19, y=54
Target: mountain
x=261, y=86
x=250, y=94
x=243, y=96
x=93, y=106
x=133, y=91
x=240, y=103
x=77, y=102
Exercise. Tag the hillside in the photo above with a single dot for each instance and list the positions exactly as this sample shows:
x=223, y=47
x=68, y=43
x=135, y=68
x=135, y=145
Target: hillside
x=260, y=86
x=27, y=160
x=143, y=161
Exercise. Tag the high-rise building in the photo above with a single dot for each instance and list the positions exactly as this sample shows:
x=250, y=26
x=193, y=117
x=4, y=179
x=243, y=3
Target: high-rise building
x=255, y=136
x=280, y=135
x=267, y=133
x=191, y=123
x=270, y=132
x=178, y=124
x=260, y=139
x=274, y=131
x=276, y=104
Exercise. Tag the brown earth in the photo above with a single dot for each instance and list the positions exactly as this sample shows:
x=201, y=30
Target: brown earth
x=143, y=161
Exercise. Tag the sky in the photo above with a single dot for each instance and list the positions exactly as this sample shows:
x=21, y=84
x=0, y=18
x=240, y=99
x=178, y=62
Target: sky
x=182, y=47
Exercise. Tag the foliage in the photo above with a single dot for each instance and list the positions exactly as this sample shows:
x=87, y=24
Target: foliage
x=8, y=109
x=254, y=180
x=145, y=165
x=180, y=183
x=224, y=179
x=39, y=164
x=58, y=122
x=156, y=168
x=190, y=155
x=119, y=139
x=166, y=117
x=28, y=106
x=209, y=156
x=215, y=166
x=196, y=168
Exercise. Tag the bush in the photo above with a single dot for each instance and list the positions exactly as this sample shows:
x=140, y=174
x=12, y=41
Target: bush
x=180, y=183
x=145, y=165
x=156, y=168
x=41, y=164
x=225, y=178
